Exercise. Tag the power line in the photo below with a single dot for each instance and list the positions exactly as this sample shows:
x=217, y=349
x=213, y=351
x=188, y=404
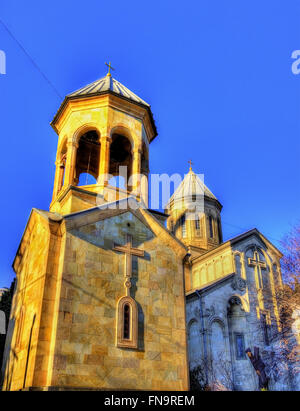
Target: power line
x=31, y=60
x=244, y=229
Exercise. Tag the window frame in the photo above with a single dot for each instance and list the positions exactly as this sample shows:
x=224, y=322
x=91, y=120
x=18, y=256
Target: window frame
x=132, y=341
x=236, y=336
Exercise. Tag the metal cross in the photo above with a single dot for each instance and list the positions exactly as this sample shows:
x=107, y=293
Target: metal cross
x=190, y=163
x=129, y=252
x=109, y=68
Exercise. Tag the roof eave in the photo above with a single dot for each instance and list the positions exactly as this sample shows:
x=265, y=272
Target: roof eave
x=99, y=93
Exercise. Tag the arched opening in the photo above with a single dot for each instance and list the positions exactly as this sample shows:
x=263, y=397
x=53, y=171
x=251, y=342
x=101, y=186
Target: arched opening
x=121, y=158
x=127, y=323
x=88, y=158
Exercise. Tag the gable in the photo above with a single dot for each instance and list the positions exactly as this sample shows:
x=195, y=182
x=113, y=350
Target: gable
x=105, y=232
x=141, y=219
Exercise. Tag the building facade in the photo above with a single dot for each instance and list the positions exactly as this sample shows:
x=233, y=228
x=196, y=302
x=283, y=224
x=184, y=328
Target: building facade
x=112, y=295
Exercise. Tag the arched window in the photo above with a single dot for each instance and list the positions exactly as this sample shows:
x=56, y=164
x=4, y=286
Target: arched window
x=127, y=323
x=211, y=230
x=183, y=225
x=197, y=226
x=126, y=320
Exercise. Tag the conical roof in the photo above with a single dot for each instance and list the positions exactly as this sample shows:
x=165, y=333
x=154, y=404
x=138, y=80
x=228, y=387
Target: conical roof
x=107, y=84
x=191, y=185
x=102, y=86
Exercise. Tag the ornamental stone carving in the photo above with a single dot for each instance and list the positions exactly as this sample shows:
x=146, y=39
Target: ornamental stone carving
x=238, y=283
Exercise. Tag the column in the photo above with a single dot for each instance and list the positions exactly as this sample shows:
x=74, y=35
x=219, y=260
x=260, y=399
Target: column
x=136, y=170
x=103, y=176
x=70, y=163
x=145, y=188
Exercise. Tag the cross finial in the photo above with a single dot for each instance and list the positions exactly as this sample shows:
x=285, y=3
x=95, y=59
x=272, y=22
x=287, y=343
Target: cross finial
x=109, y=68
x=190, y=163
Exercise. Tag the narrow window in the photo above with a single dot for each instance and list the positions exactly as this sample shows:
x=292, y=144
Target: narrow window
x=239, y=346
x=197, y=225
x=211, y=232
x=265, y=328
x=220, y=231
x=126, y=329
x=172, y=227
x=183, y=225
x=127, y=323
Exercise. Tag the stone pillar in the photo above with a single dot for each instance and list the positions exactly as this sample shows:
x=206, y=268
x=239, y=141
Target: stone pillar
x=105, y=142
x=136, y=170
x=59, y=177
x=56, y=180
x=145, y=188
x=70, y=163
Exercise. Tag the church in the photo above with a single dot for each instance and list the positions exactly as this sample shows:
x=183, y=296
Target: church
x=114, y=295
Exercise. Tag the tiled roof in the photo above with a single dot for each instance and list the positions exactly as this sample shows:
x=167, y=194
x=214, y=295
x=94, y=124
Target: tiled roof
x=106, y=84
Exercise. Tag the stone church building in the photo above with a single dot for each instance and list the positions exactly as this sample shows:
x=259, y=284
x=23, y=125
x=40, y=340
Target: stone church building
x=113, y=295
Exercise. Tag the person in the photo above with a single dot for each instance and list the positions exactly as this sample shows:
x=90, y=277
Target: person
x=259, y=367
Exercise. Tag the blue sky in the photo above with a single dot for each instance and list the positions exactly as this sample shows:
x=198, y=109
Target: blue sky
x=217, y=75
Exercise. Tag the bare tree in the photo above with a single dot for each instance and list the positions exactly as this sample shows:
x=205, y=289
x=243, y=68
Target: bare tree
x=219, y=374
x=282, y=351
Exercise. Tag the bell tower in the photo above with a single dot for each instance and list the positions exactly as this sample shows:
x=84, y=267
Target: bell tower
x=104, y=131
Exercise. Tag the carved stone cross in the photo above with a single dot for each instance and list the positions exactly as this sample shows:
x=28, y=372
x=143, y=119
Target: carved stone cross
x=255, y=262
x=129, y=252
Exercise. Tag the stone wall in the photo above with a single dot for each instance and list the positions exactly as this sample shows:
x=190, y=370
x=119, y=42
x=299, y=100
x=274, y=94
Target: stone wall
x=86, y=354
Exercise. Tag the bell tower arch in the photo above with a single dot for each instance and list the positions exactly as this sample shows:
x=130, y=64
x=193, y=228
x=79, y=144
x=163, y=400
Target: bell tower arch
x=104, y=131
